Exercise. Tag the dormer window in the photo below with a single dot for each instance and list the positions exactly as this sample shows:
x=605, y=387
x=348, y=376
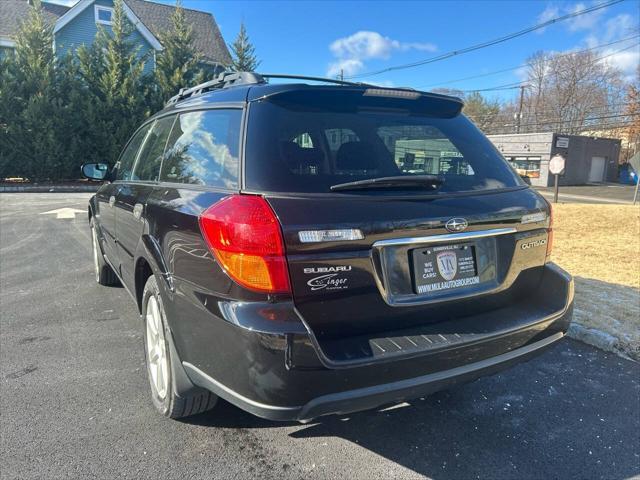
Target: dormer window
x=103, y=14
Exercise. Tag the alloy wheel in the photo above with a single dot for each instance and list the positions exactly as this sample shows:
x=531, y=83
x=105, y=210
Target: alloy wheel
x=156, y=348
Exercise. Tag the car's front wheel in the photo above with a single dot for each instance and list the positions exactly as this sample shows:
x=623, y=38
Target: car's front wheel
x=168, y=398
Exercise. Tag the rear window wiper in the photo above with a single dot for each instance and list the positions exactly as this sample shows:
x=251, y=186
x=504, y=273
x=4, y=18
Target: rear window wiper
x=430, y=182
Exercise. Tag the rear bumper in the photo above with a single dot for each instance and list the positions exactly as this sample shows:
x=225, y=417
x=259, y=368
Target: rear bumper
x=371, y=397
x=290, y=376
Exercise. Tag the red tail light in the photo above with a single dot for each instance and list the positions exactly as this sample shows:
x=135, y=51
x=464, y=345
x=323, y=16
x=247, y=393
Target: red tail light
x=244, y=235
x=550, y=233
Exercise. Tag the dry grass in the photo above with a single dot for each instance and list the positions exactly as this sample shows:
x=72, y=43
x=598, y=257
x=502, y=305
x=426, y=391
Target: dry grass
x=600, y=246
x=598, y=241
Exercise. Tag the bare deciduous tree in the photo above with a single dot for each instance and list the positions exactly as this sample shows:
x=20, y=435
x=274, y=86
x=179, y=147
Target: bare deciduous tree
x=569, y=93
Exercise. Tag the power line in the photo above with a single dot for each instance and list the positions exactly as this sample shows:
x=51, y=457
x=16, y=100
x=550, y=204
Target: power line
x=524, y=64
x=488, y=43
x=510, y=86
x=555, y=122
x=608, y=109
x=507, y=86
x=600, y=109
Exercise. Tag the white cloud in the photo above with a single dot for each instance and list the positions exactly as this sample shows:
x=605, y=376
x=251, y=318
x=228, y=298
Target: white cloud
x=547, y=14
x=626, y=61
x=522, y=73
x=586, y=21
x=600, y=31
x=347, y=66
x=351, y=52
x=621, y=26
x=620, y=55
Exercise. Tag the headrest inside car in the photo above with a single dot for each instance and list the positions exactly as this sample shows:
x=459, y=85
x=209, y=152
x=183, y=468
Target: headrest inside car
x=356, y=156
x=300, y=159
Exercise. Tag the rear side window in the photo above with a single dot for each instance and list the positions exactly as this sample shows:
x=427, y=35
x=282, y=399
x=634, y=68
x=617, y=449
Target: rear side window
x=150, y=158
x=128, y=157
x=351, y=140
x=203, y=149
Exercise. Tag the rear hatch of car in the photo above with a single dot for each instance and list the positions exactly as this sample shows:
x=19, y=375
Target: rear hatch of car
x=396, y=211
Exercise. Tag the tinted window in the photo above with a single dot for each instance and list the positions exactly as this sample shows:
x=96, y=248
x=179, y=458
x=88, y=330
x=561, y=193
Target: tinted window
x=203, y=149
x=337, y=136
x=360, y=141
x=128, y=157
x=148, y=164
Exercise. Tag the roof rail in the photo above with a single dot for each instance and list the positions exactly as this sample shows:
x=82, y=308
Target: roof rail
x=229, y=78
x=223, y=80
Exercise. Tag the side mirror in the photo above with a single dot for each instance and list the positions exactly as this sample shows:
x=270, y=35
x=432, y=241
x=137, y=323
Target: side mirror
x=95, y=171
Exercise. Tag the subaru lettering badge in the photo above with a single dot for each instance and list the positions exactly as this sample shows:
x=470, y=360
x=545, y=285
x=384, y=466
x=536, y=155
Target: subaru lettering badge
x=456, y=225
x=447, y=264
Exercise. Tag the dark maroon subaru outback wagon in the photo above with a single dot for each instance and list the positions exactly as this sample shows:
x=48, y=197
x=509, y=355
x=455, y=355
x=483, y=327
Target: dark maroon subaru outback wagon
x=302, y=249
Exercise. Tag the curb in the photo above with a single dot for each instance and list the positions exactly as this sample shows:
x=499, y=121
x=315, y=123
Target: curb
x=49, y=188
x=597, y=338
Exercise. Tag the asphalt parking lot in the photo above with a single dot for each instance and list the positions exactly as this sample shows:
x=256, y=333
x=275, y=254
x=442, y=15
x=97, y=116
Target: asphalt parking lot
x=74, y=399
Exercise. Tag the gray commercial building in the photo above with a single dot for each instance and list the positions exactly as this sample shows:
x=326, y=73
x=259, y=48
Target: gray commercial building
x=588, y=159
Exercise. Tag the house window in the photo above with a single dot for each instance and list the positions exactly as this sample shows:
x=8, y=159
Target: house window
x=103, y=14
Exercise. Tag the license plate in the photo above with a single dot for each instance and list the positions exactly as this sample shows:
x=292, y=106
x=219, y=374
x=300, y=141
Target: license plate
x=444, y=267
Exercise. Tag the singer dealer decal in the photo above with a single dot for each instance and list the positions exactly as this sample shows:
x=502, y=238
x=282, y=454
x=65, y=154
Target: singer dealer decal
x=328, y=278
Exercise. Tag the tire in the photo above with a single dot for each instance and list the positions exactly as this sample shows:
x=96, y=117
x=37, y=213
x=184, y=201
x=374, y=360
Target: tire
x=103, y=271
x=173, y=395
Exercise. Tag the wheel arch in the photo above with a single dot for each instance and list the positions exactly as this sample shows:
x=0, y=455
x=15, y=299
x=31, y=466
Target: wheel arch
x=150, y=261
x=91, y=208
x=143, y=271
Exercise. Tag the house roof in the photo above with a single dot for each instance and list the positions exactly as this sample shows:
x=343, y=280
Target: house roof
x=207, y=37
x=155, y=17
x=13, y=13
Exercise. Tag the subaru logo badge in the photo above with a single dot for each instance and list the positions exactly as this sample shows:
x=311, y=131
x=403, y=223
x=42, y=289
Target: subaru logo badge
x=456, y=225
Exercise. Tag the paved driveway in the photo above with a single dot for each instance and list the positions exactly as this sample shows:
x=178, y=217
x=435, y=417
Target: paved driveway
x=74, y=400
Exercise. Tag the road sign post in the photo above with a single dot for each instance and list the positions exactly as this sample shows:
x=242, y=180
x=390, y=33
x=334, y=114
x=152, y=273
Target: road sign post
x=556, y=167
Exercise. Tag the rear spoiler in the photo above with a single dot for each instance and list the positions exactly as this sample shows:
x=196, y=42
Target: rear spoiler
x=358, y=98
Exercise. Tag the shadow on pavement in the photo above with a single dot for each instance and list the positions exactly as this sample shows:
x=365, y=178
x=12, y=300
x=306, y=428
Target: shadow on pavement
x=572, y=413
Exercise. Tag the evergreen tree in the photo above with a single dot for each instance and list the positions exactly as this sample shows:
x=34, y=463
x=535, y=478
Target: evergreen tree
x=28, y=108
x=118, y=94
x=482, y=111
x=177, y=64
x=244, y=58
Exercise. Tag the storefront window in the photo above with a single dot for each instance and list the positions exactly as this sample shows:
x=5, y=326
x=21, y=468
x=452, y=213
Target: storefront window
x=526, y=166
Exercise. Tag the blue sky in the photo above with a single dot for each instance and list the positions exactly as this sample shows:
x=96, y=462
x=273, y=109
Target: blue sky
x=319, y=38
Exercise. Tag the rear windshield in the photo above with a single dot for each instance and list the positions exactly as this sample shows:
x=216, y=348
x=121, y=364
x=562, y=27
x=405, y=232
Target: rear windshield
x=293, y=146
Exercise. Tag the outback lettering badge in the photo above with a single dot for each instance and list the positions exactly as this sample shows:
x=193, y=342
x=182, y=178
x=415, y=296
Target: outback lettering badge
x=535, y=243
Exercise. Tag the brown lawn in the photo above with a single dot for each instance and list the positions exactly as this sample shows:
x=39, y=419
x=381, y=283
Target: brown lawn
x=600, y=246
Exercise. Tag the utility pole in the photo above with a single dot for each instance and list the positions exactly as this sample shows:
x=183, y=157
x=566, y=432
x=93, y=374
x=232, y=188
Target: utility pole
x=342, y=74
x=520, y=109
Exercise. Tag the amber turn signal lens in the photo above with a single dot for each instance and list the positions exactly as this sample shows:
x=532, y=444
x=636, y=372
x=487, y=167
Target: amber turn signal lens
x=244, y=235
